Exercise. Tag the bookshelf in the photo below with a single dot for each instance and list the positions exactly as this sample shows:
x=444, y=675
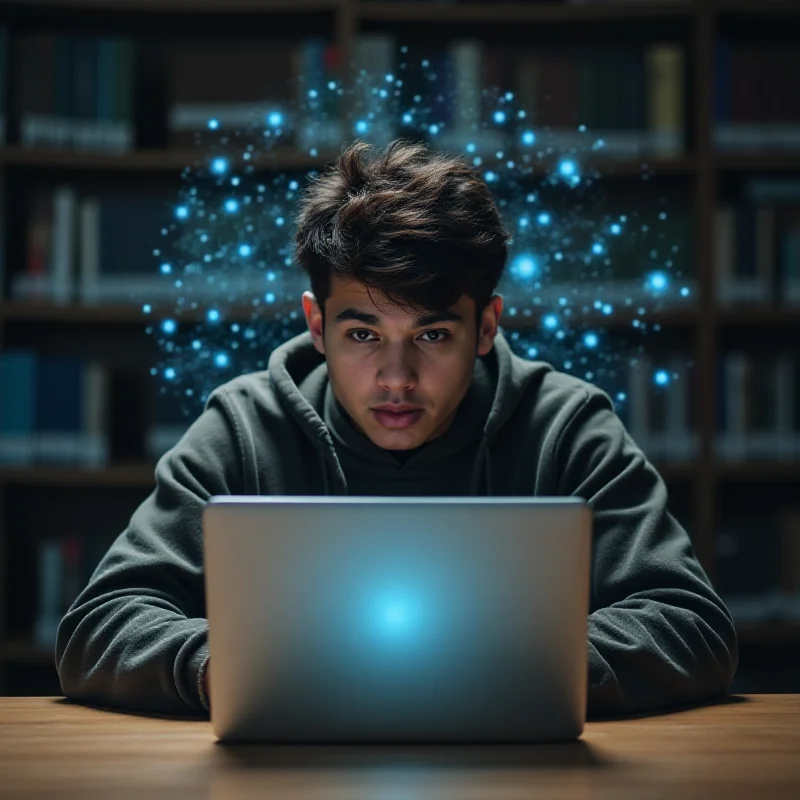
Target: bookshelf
x=110, y=328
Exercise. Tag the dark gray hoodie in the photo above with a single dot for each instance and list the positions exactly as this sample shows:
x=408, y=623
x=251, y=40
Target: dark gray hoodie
x=659, y=635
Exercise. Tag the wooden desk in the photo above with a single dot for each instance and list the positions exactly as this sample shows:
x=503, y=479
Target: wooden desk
x=743, y=747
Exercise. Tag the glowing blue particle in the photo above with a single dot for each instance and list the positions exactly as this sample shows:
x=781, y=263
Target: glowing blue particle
x=407, y=118
x=550, y=321
x=313, y=152
x=499, y=117
x=235, y=181
x=685, y=291
x=524, y=266
x=212, y=315
x=559, y=256
x=395, y=616
x=362, y=126
x=269, y=297
x=662, y=215
x=607, y=309
x=181, y=212
x=591, y=340
x=275, y=119
x=279, y=221
x=196, y=344
x=213, y=124
x=490, y=176
x=470, y=148
x=616, y=229
x=313, y=94
x=231, y=206
x=294, y=186
x=509, y=96
x=531, y=198
x=528, y=137
x=389, y=77
x=523, y=222
x=532, y=352
x=543, y=218
x=219, y=166
x=597, y=249
x=169, y=326
x=331, y=85
x=245, y=250
x=166, y=269
x=657, y=281
x=221, y=360
x=147, y=308
x=567, y=168
x=169, y=373
x=661, y=377
x=477, y=161
x=434, y=129
x=521, y=114
x=622, y=397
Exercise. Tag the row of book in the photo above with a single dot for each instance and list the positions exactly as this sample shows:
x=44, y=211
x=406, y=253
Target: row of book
x=757, y=245
x=57, y=409
x=76, y=91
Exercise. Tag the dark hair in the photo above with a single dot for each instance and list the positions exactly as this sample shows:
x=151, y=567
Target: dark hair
x=417, y=225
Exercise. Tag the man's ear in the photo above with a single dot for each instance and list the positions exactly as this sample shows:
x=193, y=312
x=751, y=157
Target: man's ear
x=490, y=320
x=316, y=325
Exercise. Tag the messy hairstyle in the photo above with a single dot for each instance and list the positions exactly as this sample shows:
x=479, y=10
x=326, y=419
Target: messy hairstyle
x=417, y=225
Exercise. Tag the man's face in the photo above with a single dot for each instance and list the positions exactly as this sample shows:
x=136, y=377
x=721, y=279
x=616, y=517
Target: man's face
x=380, y=357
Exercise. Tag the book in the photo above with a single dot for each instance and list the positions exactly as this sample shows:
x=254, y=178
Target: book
x=18, y=406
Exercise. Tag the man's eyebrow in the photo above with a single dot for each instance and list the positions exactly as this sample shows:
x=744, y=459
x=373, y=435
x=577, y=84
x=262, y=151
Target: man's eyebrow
x=419, y=322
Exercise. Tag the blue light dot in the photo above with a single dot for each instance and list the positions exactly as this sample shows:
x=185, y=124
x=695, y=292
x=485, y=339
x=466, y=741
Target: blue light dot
x=219, y=166
x=169, y=373
x=499, y=117
x=523, y=222
x=213, y=124
x=313, y=93
x=597, y=248
x=196, y=344
x=147, y=308
x=524, y=266
x=434, y=129
x=274, y=119
x=470, y=148
x=279, y=221
x=331, y=85
x=169, y=326
x=567, y=168
x=685, y=291
x=181, y=212
x=477, y=161
x=532, y=352
x=269, y=297
x=528, y=137
x=362, y=126
x=489, y=176
x=212, y=315
x=389, y=77
x=407, y=118
x=166, y=269
x=245, y=250
x=543, y=218
x=662, y=377
x=591, y=340
x=622, y=397
x=616, y=229
x=231, y=206
x=657, y=281
x=235, y=181
x=294, y=185
x=550, y=321
x=607, y=309
x=221, y=360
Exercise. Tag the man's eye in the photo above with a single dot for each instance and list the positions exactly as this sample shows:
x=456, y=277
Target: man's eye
x=355, y=335
x=441, y=335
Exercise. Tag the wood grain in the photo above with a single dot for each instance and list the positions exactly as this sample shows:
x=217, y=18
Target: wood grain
x=740, y=747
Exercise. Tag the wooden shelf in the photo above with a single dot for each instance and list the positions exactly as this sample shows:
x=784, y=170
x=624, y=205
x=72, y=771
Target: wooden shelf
x=114, y=475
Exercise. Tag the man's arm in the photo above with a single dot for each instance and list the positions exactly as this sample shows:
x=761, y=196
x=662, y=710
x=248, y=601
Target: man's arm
x=659, y=634
x=137, y=636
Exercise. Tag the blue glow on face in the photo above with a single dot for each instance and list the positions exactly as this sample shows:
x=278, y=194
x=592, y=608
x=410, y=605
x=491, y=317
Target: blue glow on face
x=550, y=322
x=499, y=117
x=524, y=266
x=528, y=138
x=245, y=250
x=213, y=124
x=212, y=315
x=182, y=212
x=169, y=326
x=275, y=119
x=591, y=340
x=231, y=206
x=221, y=360
x=219, y=166
x=661, y=377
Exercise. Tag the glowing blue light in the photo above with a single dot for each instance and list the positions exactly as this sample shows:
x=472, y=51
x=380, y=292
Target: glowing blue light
x=389, y=77
x=331, y=85
x=616, y=229
x=313, y=94
x=662, y=377
x=543, y=218
x=269, y=297
x=181, y=212
x=213, y=124
x=622, y=397
x=395, y=616
x=235, y=181
x=231, y=206
x=275, y=119
x=407, y=118
x=499, y=117
x=212, y=315
x=523, y=222
x=294, y=186
x=169, y=373
x=528, y=137
x=567, y=168
x=597, y=249
x=434, y=129
x=362, y=126
x=166, y=269
x=657, y=281
x=196, y=344
x=490, y=176
x=245, y=250
x=524, y=266
x=550, y=321
x=219, y=166
x=169, y=326
x=532, y=352
x=279, y=221
x=607, y=309
x=221, y=360
x=685, y=291
x=470, y=148
x=591, y=340
x=147, y=308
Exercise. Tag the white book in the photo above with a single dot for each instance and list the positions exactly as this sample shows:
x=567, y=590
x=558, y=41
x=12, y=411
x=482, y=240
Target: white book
x=89, y=250
x=64, y=213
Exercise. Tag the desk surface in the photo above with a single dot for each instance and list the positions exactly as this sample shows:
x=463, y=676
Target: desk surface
x=743, y=747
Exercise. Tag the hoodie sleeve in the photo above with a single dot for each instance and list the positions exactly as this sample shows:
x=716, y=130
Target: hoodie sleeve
x=659, y=635
x=136, y=636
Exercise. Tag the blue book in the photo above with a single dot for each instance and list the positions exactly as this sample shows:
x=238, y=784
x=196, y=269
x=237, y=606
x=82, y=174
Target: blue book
x=17, y=406
x=60, y=409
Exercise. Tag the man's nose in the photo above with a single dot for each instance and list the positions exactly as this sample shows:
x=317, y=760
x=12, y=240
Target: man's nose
x=397, y=371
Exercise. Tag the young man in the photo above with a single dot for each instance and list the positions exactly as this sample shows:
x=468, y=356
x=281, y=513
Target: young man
x=402, y=385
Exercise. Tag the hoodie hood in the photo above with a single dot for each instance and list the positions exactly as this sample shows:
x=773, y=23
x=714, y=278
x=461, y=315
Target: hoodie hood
x=298, y=374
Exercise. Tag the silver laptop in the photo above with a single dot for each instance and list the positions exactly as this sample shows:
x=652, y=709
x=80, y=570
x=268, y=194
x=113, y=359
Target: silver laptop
x=365, y=619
